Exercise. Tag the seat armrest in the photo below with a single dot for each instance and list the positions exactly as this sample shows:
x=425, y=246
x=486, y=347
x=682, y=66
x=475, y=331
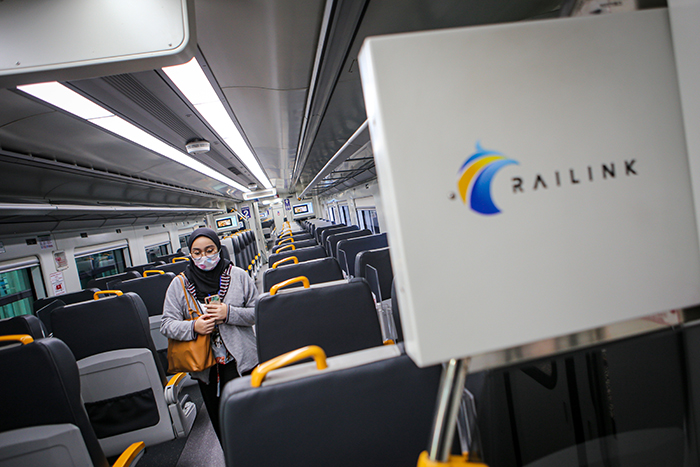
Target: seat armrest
x=131, y=455
x=173, y=388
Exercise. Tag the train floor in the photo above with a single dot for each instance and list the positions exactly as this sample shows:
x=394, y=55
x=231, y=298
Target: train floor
x=200, y=448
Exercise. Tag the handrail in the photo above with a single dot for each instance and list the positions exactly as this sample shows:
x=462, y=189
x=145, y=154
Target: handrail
x=96, y=295
x=288, y=258
x=154, y=271
x=293, y=280
x=311, y=351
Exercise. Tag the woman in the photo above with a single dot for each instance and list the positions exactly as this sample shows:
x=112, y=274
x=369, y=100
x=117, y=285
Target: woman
x=229, y=320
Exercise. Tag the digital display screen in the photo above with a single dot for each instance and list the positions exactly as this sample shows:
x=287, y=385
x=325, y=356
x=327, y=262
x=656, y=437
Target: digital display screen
x=304, y=209
x=226, y=223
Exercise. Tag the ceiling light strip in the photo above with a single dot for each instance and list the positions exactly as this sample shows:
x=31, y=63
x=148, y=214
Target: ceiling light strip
x=195, y=86
x=66, y=99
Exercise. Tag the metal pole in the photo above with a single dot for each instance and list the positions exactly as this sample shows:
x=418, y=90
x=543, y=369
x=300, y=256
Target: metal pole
x=447, y=407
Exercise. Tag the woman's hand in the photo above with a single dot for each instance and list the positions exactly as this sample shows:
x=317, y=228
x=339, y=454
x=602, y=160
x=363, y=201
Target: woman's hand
x=204, y=324
x=218, y=310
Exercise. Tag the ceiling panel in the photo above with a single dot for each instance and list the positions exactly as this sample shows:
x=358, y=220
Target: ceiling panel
x=345, y=111
x=262, y=54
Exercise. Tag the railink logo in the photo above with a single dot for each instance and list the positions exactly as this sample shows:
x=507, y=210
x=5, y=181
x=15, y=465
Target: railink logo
x=475, y=177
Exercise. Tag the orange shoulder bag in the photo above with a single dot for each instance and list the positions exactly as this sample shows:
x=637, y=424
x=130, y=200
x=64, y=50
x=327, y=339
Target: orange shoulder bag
x=189, y=356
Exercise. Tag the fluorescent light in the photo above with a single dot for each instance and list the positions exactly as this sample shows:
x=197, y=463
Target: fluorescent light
x=194, y=85
x=260, y=194
x=64, y=98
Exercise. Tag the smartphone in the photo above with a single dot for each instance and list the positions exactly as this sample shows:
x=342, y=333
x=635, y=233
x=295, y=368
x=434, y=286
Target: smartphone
x=211, y=299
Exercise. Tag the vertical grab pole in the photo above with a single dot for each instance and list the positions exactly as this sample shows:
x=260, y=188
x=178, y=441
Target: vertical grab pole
x=446, y=409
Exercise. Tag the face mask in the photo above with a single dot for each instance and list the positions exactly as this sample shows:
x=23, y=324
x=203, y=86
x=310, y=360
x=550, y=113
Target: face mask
x=207, y=263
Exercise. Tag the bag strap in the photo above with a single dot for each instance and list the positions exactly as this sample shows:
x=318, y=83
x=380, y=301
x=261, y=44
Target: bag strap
x=187, y=295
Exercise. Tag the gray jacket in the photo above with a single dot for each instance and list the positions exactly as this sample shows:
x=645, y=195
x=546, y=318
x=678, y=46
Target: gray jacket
x=237, y=332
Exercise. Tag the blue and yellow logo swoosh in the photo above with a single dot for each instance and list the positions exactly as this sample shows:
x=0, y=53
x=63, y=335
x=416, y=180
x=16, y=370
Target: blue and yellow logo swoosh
x=475, y=177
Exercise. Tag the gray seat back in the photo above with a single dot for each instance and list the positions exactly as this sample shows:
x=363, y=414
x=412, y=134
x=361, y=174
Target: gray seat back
x=333, y=240
x=380, y=260
x=315, y=270
x=301, y=254
x=335, y=230
x=348, y=249
x=385, y=408
x=42, y=387
x=144, y=267
x=175, y=268
x=97, y=326
x=67, y=298
x=25, y=324
x=297, y=245
x=101, y=282
x=339, y=317
x=151, y=289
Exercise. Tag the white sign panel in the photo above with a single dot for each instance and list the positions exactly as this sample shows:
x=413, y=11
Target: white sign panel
x=551, y=157
x=58, y=283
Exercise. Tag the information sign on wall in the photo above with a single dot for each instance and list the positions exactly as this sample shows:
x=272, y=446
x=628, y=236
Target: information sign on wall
x=551, y=157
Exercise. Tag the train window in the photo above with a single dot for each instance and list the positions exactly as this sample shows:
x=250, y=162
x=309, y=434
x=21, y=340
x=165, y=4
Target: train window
x=183, y=241
x=367, y=219
x=20, y=285
x=331, y=214
x=101, y=264
x=344, y=214
x=153, y=252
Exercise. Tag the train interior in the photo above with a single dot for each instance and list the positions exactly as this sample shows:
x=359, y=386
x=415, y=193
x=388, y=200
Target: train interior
x=256, y=127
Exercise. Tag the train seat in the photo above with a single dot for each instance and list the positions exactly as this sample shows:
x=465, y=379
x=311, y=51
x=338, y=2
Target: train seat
x=102, y=282
x=143, y=267
x=348, y=249
x=296, y=244
x=381, y=399
x=152, y=291
x=380, y=260
x=67, y=298
x=375, y=267
x=318, y=230
x=315, y=270
x=301, y=254
x=44, y=421
x=335, y=230
x=44, y=314
x=123, y=382
x=24, y=324
x=176, y=267
x=339, y=316
x=296, y=236
x=333, y=240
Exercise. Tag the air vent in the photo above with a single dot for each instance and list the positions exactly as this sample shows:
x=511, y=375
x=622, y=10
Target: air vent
x=133, y=90
x=235, y=171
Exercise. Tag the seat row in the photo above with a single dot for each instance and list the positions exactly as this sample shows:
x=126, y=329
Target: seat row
x=243, y=250
x=123, y=389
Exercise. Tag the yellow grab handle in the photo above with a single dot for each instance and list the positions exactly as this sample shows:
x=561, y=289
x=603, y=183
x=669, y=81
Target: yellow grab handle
x=289, y=232
x=180, y=258
x=389, y=342
x=311, y=351
x=153, y=271
x=97, y=294
x=286, y=247
x=130, y=454
x=21, y=338
x=176, y=379
x=288, y=239
x=453, y=461
x=293, y=280
x=288, y=258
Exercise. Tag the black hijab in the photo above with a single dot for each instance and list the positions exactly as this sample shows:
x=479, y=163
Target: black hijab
x=205, y=282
